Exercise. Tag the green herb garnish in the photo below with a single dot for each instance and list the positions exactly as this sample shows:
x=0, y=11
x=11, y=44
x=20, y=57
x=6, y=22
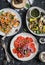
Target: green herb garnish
x=35, y=13
x=27, y=5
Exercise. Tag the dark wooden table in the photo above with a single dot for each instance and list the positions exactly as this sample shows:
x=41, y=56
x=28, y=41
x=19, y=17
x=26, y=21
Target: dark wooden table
x=35, y=61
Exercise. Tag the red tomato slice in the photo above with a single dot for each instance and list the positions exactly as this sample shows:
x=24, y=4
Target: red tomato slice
x=28, y=54
x=20, y=38
x=16, y=45
x=33, y=50
x=19, y=55
x=14, y=50
x=29, y=39
x=32, y=46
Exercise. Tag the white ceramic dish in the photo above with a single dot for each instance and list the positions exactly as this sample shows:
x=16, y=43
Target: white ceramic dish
x=33, y=9
x=25, y=58
x=21, y=8
x=13, y=30
x=42, y=57
x=21, y=5
x=27, y=22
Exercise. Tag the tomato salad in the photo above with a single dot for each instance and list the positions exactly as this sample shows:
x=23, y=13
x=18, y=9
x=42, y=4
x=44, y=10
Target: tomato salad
x=24, y=46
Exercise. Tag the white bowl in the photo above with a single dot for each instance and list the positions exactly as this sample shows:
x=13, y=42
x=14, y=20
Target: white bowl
x=25, y=58
x=27, y=22
x=41, y=56
x=33, y=9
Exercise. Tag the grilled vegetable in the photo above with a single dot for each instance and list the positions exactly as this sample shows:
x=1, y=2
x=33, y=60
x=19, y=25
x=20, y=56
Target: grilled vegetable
x=7, y=20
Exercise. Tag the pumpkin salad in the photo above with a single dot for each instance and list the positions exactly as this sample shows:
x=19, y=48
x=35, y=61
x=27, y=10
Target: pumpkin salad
x=7, y=21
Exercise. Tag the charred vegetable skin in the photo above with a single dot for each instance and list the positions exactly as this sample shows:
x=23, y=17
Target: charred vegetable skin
x=24, y=47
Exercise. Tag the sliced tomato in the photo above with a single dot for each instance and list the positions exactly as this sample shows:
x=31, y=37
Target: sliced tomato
x=31, y=45
x=29, y=39
x=20, y=38
x=14, y=50
x=28, y=54
x=33, y=50
x=19, y=55
x=17, y=45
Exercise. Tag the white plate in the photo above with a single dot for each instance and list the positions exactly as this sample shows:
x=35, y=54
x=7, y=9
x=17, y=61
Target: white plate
x=9, y=1
x=27, y=22
x=25, y=58
x=12, y=32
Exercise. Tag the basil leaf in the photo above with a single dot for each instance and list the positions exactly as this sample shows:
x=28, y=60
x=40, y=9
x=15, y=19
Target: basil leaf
x=28, y=5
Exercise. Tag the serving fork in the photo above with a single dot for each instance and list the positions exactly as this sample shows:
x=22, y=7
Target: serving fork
x=5, y=48
x=8, y=57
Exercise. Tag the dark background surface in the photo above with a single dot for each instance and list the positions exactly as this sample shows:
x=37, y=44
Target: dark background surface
x=35, y=61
